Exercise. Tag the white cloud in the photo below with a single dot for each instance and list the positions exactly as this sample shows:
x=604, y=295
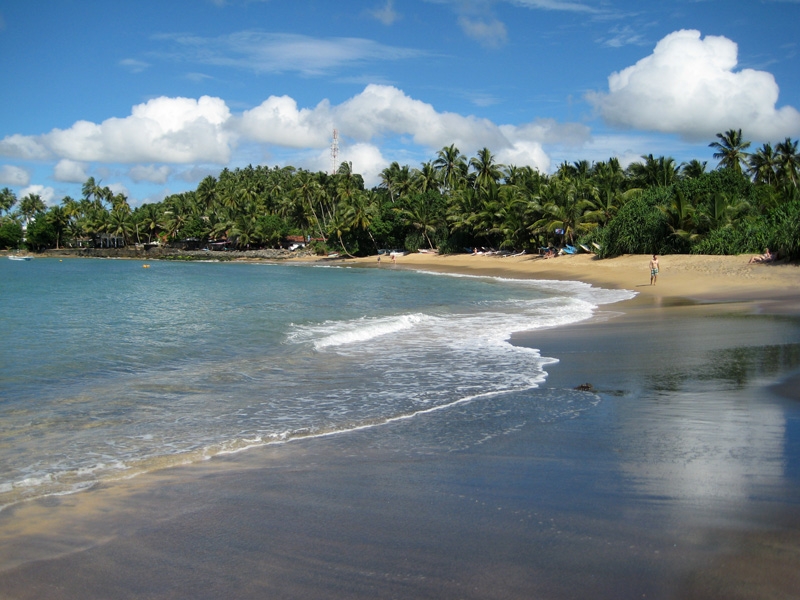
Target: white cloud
x=24, y=147
x=277, y=120
x=134, y=65
x=13, y=175
x=688, y=86
x=556, y=5
x=150, y=173
x=488, y=31
x=175, y=130
x=47, y=194
x=119, y=188
x=200, y=133
x=281, y=52
x=386, y=14
x=367, y=161
x=524, y=153
x=70, y=171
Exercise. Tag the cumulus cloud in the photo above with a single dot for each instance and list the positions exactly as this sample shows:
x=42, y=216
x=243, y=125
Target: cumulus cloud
x=383, y=112
x=367, y=161
x=47, y=194
x=70, y=171
x=688, y=86
x=24, y=147
x=277, y=120
x=151, y=173
x=200, y=133
x=175, y=130
x=13, y=175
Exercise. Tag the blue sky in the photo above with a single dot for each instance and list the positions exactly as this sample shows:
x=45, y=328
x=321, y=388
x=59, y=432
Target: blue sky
x=151, y=96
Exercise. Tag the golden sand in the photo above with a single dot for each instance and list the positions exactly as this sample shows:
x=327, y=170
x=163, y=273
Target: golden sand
x=775, y=287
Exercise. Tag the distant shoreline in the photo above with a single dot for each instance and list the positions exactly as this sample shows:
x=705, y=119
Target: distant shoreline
x=774, y=288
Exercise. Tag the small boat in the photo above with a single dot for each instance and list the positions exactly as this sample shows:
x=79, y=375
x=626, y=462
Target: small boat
x=18, y=257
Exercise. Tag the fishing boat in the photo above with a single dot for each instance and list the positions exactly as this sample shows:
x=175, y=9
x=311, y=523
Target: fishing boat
x=18, y=257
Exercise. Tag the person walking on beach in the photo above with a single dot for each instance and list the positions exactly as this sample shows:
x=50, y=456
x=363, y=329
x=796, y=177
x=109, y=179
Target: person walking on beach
x=653, y=269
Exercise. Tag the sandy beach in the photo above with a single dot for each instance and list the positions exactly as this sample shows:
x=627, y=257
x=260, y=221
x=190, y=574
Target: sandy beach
x=660, y=492
x=704, y=278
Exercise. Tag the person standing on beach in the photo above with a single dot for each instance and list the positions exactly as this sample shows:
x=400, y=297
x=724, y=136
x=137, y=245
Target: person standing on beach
x=653, y=269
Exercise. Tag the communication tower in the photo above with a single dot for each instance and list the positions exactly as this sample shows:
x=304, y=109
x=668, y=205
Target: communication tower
x=335, y=152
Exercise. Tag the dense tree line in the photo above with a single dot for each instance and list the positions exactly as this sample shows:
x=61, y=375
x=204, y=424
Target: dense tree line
x=454, y=202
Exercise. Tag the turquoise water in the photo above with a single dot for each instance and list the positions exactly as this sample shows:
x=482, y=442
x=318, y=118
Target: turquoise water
x=108, y=369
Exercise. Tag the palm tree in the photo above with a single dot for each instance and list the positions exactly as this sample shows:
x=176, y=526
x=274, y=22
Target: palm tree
x=681, y=217
x=150, y=220
x=207, y=193
x=723, y=212
x=308, y=190
x=564, y=204
x=425, y=178
x=788, y=161
x=654, y=172
x=693, y=169
x=7, y=200
x=421, y=216
x=486, y=170
x=30, y=205
x=390, y=179
x=359, y=213
x=730, y=150
x=120, y=224
x=59, y=219
x=763, y=165
x=451, y=165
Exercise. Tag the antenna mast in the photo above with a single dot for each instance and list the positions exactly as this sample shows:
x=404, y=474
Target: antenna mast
x=335, y=152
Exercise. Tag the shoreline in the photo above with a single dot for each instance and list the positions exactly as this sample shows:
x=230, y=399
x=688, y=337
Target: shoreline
x=700, y=278
x=363, y=515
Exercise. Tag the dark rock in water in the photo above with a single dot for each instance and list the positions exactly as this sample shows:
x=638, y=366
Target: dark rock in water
x=585, y=387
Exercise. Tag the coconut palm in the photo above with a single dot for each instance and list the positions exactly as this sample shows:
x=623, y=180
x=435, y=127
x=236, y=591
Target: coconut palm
x=730, y=150
x=359, y=213
x=653, y=172
x=7, y=200
x=486, y=170
x=422, y=216
x=681, y=217
x=30, y=205
x=788, y=161
x=207, y=193
x=762, y=165
x=452, y=166
x=59, y=219
x=120, y=224
x=693, y=169
x=426, y=178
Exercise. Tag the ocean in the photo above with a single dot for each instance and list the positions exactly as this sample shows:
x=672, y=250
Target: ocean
x=109, y=369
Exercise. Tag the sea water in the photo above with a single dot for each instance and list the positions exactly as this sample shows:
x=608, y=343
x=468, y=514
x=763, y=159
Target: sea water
x=108, y=369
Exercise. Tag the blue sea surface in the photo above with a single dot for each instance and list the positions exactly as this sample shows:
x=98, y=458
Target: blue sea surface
x=108, y=369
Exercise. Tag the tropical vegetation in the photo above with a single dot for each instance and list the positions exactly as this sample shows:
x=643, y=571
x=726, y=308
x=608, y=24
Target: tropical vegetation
x=452, y=203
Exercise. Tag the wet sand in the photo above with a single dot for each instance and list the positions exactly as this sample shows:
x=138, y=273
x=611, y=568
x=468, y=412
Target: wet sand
x=682, y=482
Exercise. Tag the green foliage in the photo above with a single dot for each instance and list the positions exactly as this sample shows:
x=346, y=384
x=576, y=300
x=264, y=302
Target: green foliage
x=194, y=228
x=271, y=229
x=455, y=202
x=640, y=227
x=41, y=233
x=10, y=234
x=784, y=222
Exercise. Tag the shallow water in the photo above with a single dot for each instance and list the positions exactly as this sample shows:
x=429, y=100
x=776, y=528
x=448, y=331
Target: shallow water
x=110, y=369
